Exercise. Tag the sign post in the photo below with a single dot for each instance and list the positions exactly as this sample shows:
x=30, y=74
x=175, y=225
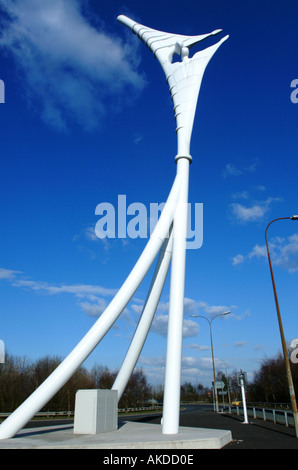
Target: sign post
x=220, y=385
x=241, y=381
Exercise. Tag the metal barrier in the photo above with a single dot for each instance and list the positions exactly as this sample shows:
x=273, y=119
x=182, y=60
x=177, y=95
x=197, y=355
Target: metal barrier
x=267, y=414
x=278, y=416
x=47, y=414
x=50, y=414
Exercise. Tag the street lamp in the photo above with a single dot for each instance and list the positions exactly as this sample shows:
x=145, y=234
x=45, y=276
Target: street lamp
x=213, y=365
x=284, y=347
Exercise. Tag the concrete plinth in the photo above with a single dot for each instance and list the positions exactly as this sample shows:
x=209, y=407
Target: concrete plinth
x=130, y=435
x=96, y=411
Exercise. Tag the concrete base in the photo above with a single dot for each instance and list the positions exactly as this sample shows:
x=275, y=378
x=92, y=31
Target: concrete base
x=130, y=435
x=96, y=411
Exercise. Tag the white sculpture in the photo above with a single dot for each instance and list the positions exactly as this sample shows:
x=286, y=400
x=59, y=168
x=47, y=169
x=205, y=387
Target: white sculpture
x=184, y=79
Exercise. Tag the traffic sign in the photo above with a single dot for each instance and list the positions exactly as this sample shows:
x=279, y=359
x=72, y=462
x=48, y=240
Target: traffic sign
x=241, y=376
x=220, y=384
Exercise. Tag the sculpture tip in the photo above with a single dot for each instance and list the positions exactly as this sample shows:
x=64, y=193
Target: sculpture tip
x=216, y=31
x=126, y=21
x=225, y=38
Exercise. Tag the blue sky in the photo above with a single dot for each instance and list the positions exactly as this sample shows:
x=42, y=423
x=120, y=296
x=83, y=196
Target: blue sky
x=87, y=117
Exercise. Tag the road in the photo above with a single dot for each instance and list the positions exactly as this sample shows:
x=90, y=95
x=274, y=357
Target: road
x=258, y=434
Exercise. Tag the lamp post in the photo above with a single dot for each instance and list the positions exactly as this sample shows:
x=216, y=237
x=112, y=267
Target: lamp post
x=284, y=347
x=228, y=385
x=213, y=365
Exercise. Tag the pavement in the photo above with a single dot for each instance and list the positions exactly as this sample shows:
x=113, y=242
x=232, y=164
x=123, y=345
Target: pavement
x=258, y=434
x=199, y=429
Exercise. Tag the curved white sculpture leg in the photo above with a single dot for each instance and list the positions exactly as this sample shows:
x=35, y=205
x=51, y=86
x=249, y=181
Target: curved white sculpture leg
x=171, y=403
x=146, y=318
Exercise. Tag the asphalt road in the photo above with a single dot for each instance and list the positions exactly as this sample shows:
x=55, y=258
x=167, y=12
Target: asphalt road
x=258, y=434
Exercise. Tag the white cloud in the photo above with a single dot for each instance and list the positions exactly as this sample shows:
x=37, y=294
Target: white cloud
x=209, y=309
x=248, y=214
x=241, y=195
x=197, y=366
x=94, y=300
x=240, y=316
x=259, y=347
x=231, y=170
x=137, y=308
x=155, y=361
x=94, y=297
x=138, y=138
x=70, y=68
x=288, y=254
x=190, y=361
x=95, y=309
x=190, y=328
x=216, y=309
x=258, y=251
x=192, y=306
x=251, y=168
x=79, y=290
x=160, y=326
x=283, y=253
x=192, y=367
x=7, y=273
x=197, y=347
x=240, y=344
x=238, y=259
x=260, y=187
x=90, y=234
x=253, y=213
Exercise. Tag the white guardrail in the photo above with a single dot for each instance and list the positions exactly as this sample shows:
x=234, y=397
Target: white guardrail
x=267, y=414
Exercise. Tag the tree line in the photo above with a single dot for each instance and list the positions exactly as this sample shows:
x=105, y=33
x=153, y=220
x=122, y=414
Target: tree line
x=19, y=377
x=270, y=382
